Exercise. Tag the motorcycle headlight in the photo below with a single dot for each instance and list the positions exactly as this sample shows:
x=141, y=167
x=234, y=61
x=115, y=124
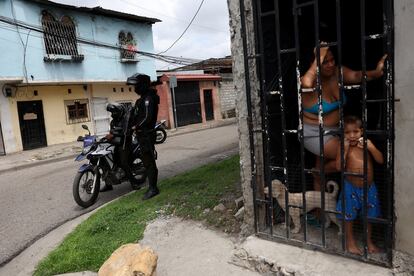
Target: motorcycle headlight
x=86, y=149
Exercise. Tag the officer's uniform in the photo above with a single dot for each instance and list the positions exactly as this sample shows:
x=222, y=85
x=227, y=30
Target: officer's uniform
x=144, y=118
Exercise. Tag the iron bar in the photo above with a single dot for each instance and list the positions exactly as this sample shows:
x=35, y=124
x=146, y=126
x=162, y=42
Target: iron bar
x=303, y=5
x=364, y=126
x=387, y=23
x=263, y=104
x=300, y=126
x=275, y=168
x=288, y=51
x=283, y=118
x=320, y=117
x=374, y=36
x=341, y=117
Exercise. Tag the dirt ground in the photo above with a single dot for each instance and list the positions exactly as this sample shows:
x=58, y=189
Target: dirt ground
x=186, y=247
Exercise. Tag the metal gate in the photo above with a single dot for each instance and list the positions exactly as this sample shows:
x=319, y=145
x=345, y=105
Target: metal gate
x=187, y=99
x=286, y=32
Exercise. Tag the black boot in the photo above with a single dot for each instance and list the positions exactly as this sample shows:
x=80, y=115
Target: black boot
x=151, y=193
x=136, y=185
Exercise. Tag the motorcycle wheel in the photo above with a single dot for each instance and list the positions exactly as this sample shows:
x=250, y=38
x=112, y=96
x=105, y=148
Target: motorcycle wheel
x=82, y=184
x=161, y=136
x=139, y=171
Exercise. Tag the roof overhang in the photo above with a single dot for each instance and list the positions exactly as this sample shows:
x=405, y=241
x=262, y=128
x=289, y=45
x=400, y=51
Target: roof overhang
x=101, y=11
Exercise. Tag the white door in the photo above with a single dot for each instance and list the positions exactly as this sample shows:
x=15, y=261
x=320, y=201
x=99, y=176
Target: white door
x=101, y=117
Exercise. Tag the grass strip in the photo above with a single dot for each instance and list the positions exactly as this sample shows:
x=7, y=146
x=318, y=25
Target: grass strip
x=191, y=195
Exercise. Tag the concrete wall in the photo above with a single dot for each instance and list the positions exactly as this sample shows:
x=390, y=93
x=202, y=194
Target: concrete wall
x=99, y=63
x=227, y=95
x=404, y=125
x=241, y=108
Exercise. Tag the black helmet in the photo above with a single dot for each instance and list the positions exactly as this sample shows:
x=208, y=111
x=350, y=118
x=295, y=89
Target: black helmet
x=141, y=82
x=116, y=110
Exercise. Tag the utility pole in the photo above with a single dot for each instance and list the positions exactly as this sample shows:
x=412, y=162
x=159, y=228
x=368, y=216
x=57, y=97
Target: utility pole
x=173, y=84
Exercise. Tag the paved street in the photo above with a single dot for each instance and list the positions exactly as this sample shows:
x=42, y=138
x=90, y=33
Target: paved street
x=36, y=200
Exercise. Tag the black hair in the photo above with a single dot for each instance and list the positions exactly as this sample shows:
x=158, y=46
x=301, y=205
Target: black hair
x=351, y=119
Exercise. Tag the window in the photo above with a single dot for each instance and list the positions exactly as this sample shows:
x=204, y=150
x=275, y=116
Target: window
x=59, y=38
x=128, y=45
x=77, y=111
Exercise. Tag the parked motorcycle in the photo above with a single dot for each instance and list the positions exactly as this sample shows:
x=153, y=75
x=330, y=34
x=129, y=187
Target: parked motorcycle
x=101, y=170
x=160, y=132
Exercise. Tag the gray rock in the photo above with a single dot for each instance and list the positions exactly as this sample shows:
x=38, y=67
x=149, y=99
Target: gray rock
x=240, y=214
x=220, y=208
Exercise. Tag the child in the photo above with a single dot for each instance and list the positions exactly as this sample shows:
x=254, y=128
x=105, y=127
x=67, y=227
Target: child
x=353, y=185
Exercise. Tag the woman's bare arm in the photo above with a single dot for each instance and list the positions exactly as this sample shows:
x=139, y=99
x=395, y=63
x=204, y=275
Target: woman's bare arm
x=308, y=79
x=353, y=77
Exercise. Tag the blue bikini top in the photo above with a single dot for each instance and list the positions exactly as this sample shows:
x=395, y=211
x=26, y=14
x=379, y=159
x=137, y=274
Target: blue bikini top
x=326, y=107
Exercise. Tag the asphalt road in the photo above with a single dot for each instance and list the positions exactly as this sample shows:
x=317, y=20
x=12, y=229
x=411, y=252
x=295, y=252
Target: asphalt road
x=36, y=200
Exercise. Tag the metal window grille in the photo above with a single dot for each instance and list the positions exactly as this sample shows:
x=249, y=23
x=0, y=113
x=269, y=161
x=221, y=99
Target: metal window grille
x=359, y=32
x=128, y=45
x=59, y=36
x=77, y=111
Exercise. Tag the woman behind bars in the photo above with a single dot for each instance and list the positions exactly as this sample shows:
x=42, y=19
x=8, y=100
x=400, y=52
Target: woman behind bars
x=329, y=75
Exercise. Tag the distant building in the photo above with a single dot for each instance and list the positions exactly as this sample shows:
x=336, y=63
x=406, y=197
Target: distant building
x=223, y=68
x=196, y=98
x=60, y=66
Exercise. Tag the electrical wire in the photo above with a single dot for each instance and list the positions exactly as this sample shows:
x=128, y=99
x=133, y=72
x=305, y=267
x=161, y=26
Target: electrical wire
x=172, y=17
x=166, y=58
x=21, y=40
x=185, y=30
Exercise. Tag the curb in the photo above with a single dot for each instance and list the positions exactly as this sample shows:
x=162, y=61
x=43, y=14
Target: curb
x=170, y=133
x=227, y=122
x=37, y=163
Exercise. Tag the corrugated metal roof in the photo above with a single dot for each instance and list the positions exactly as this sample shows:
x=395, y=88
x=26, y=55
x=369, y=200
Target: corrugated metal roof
x=192, y=77
x=101, y=11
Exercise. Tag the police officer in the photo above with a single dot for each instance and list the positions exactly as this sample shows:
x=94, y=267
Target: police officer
x=143, y=119
x=123, y=149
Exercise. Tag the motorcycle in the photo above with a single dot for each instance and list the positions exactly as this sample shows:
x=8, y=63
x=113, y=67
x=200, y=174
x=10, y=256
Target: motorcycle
x=160, y=132
x=102, y=170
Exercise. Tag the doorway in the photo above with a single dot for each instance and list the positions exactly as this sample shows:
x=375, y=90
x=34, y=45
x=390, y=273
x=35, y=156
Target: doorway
x=32, y=124
x=188, y=106
x=208, y=104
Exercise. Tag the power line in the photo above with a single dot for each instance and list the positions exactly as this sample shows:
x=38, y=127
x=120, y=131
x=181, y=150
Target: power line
x=189, y=24
x=171, y=59
x=172, y=17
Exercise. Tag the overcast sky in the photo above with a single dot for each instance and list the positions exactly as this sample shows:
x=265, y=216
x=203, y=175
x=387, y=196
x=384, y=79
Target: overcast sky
x=207, y=37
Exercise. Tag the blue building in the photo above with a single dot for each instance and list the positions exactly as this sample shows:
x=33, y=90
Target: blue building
x=61, y=64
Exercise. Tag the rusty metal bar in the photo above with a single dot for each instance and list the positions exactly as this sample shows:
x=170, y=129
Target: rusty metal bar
x=364, y=126
x=300, y=126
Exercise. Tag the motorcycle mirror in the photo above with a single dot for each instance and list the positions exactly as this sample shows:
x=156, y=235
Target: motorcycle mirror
x=86, y=128
x=80, y=139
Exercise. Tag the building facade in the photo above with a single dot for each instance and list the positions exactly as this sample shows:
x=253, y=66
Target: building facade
x=223, y=68
x=194, y=99
x=61, y=65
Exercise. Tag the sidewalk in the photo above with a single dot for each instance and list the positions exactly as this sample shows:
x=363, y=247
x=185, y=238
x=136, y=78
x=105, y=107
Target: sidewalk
x=54, y=153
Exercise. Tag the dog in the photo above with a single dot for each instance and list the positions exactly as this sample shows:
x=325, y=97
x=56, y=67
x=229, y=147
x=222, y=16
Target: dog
x=313, y=200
